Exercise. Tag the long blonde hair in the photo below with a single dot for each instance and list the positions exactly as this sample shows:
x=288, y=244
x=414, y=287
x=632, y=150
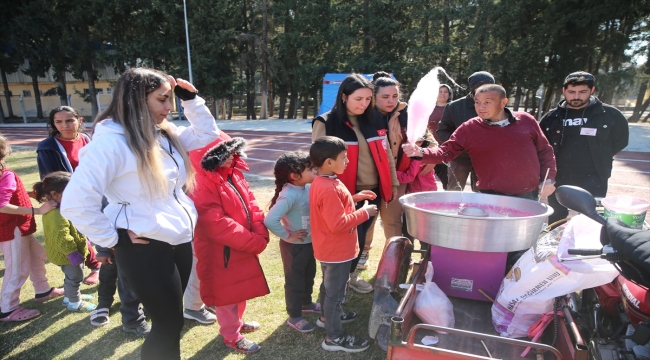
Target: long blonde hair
x=129, y=109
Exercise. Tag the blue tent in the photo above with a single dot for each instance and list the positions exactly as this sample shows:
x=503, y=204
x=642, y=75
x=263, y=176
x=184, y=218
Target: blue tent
x=331, y=83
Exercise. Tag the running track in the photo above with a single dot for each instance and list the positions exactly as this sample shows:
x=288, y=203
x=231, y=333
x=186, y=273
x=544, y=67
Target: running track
x=631, y=175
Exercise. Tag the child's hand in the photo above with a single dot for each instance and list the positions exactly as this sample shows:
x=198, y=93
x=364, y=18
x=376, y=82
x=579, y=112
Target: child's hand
x=105, y=260
x=75, y=258
x=364, y=195
x=294, y=236
x=46, y=207
x=370, y=209
x=425, y=169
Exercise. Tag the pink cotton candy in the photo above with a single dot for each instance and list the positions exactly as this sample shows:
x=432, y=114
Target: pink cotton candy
x=421, y=104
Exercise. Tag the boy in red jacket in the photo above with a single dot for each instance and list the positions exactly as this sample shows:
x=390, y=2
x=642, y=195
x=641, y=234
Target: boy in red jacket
x=334, y=237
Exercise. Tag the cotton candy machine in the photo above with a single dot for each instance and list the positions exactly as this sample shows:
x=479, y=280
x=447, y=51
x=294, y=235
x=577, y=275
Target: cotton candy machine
x=457, y=220
x=471, y=234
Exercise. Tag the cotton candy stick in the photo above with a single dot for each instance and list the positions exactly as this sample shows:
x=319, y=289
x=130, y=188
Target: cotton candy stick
x=421, y=105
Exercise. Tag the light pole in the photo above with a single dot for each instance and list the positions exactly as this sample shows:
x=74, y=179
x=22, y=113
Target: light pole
x=187, y=41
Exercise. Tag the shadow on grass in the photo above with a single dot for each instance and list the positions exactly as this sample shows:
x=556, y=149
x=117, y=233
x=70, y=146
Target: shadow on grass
x=110, y=342
x=48, y=348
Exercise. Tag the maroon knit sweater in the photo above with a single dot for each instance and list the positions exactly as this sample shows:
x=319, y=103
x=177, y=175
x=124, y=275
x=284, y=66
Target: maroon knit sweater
x=511, y=159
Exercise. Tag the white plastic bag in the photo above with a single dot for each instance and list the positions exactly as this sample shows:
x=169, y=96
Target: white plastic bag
x=432, y=305
x=538, y=276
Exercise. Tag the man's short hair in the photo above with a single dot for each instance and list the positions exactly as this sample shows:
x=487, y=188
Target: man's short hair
x=579, y=78
x=491, y=87
x=326, y=147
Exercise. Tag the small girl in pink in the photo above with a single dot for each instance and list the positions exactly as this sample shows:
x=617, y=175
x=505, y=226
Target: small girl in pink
x=417, y=179
x=24, y=256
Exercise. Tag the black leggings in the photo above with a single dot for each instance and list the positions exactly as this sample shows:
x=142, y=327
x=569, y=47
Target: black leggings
x=158, y=273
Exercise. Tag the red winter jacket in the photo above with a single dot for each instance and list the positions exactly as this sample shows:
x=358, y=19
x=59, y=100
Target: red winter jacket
x=230, y=231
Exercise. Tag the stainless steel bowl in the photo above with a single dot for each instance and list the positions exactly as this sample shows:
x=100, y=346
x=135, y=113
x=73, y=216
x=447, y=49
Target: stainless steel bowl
x=489, y=234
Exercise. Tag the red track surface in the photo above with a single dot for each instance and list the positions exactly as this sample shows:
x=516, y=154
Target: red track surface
x=631, y=175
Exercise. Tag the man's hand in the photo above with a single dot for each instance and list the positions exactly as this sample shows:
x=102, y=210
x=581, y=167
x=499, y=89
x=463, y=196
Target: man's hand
x=411, y=150
x=364, y=195
x=294, y=236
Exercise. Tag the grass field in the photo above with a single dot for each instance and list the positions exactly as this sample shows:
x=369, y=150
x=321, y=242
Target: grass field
x=61, y=334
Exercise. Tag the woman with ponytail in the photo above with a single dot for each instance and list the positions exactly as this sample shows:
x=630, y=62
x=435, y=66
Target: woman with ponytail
x=288, y=219
x=139, y=162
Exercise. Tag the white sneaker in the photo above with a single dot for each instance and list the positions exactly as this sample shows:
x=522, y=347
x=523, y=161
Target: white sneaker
x=363, y=261
x=359, y=285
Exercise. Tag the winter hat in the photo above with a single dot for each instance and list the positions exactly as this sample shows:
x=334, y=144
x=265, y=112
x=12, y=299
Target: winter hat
x=480, y=78
x=217, y=155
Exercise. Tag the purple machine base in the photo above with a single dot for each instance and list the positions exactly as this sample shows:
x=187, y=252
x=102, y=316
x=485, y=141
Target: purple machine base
x=461, y=273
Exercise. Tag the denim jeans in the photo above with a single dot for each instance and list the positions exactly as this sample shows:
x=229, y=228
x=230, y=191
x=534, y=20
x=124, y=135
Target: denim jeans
x=332, y=291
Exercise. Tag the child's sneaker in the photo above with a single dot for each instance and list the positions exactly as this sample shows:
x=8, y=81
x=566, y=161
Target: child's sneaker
x=347, y=317
x=81, y=306
x=301, y=324
x=54, y=293
x=359, y=285
x=99, y=317
x=203, y=316
x=347, y=343
x=83, y=297
x=142, y=330
x=243, y=346
x=93, y=278
x=313, y=308
x=363, y=261
x=249, y=326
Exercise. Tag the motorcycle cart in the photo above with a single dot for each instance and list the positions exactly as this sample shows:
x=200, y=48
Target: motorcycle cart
x=469, y=255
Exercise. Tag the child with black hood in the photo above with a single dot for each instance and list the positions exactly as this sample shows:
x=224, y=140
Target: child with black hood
x=230, y=235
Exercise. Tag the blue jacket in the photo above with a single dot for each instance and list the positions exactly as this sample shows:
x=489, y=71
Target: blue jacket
x=51, y=156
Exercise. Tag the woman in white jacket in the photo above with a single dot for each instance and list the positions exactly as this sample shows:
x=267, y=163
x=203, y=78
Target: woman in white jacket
x=139, y=161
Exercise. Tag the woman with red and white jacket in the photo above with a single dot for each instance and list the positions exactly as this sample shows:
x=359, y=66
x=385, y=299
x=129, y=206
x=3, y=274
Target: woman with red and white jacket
x=353, y=120
x=230, y=235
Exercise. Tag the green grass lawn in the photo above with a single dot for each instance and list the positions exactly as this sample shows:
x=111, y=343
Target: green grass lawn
x=61, y=334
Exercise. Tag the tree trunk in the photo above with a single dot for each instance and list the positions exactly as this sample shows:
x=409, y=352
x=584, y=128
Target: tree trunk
x=61, y=91
x=231, y=98
x=5, y=84
x=515, y=106
x=534, y=104
x=93, y=92
x=638, y=107
x=305, y=105
x=2, y=114
x=292, y=105
x=526, y=100
x=37, y=97
x=283, y=103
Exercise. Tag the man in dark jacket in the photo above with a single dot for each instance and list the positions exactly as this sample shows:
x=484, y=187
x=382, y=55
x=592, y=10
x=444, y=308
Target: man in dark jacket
x=585, y=135
x=455, y=114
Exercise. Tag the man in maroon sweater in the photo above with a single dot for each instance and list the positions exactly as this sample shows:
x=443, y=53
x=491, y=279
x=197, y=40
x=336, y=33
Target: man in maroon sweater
x=509, y=152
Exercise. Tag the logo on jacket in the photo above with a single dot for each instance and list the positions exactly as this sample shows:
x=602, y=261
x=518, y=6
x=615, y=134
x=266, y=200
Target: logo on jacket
x=575, y=122
x=381, y=132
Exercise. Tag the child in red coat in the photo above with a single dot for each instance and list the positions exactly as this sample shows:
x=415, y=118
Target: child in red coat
x=229, y=236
